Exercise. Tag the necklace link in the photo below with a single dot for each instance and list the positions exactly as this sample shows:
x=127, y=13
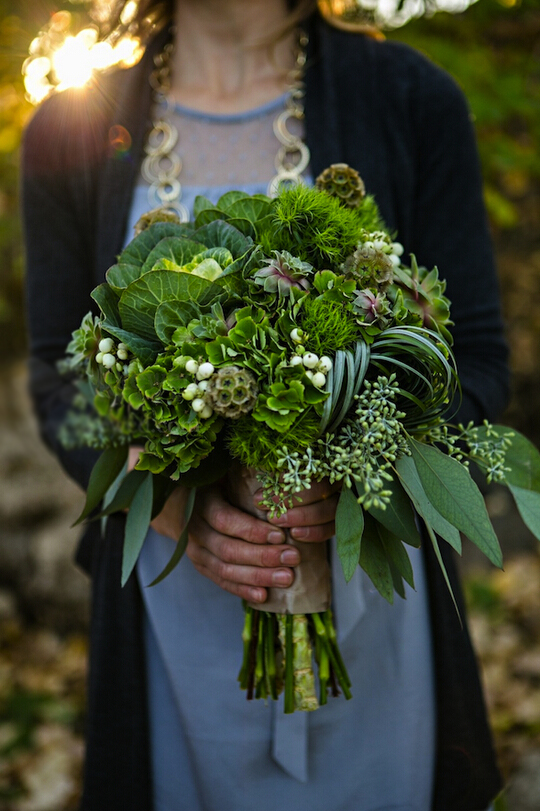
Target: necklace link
x=162, y=166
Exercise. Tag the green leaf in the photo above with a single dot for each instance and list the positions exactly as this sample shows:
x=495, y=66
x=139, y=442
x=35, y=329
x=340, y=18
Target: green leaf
x=406, y=470
x=453, y=493
x=141, y=299
x=180, y=547
x=136, y=252
x=137, y=523
x=522, y=457
x=173, y=314
x=397, y=556
x=399, y=515
x=200, y=204
x=103, y=474
x=124, y=494
x=249, y=208
x=142, y=348
x=440, y=561
x=220, y=234
x=176, y=251
x=120, y=275
x=528, y=504
x=229, y=198
x=107, y=301
x=373, y=559
x=349, y=528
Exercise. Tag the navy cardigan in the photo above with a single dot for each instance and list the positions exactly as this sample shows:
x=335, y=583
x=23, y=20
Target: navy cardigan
x=389, y=112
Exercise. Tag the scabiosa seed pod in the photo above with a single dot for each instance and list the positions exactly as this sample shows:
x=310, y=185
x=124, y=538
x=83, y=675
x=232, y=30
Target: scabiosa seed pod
x=232, y=392
x=343, y=182
x=161, y=214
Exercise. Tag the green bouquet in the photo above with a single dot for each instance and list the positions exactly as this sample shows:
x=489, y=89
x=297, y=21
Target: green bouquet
x=286, y=337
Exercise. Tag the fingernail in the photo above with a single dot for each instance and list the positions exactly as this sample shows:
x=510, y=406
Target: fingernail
x=275, y=536
x=299, y=533
x=282, y=578
x=290, y=557
x=257, y=596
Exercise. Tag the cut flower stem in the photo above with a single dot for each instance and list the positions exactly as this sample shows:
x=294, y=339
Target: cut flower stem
x=279, y=655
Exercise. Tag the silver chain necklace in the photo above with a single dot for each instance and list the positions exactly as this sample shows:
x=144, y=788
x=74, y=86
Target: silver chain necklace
x=162, y=166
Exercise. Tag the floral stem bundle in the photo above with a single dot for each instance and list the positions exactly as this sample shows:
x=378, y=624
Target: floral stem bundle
x=287, y=336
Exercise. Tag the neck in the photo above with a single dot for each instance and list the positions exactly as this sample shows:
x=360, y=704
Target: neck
x=222, y=61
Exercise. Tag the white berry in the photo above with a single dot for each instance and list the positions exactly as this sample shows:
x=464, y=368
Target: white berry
x=198, y=404
x=296, y=360
x=205, y=370
x=206, y=412
x=318, y=379
x=310, y=360
x=192, y=367
x=325, y=364
x=105, y=345
x=99, y=357
x=397, y=248
x=108, y=360
x=308, y=373
x=203, y=385
x=297, y=335
x=190, y=392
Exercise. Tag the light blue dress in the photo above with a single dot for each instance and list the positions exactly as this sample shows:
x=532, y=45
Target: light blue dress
x=211, y=749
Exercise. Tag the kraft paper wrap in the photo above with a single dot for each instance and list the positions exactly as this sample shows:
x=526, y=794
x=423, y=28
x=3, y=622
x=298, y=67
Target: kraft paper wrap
x=310, y=592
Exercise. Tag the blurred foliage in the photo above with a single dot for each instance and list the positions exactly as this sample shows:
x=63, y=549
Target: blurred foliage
x=493, y=50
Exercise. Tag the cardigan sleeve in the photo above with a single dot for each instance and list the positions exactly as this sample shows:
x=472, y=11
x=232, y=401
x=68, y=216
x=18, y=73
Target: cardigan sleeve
x=62, y=148
x=449, y=229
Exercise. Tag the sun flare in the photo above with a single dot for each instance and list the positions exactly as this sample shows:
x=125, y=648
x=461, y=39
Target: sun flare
x=60, y=59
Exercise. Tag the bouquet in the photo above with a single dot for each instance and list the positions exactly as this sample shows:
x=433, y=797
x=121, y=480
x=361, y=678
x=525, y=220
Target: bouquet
x=288, y=339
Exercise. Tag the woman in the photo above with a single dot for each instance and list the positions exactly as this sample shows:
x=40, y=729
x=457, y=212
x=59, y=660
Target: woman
x=154, y=698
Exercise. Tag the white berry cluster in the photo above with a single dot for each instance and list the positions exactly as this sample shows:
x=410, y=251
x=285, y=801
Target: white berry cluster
x=379, y=241
x=194, y=392
x=111, y=356
x=316, y=368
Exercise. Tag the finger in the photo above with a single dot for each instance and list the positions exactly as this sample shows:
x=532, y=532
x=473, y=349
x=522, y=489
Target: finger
x=229, y=520
x=254, y=576
x=306, y=515
x=239, y=552
x=314, y=534
x=319, y=491
x=249, y=593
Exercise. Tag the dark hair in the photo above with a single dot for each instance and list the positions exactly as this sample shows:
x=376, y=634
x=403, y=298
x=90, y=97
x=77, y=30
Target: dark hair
x=143, y=18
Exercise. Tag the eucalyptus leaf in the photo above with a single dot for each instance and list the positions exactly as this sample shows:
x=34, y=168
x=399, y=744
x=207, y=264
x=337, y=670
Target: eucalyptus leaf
x=349, y=528
x=137, y=523
x=412, y=485
x=398, y=557
x=453, y=493
x=522, y=457
x=123, y=497
x=373, y=559
x=180, y=547
x=528, y=504
x=397, y=580
x=440, y=561
x=103, y=474
x=107, y=301
x=398, y=517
